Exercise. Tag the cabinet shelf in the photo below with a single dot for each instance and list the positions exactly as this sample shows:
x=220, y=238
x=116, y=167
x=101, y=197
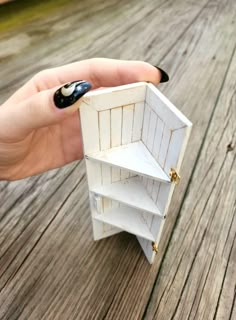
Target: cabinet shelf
x=134, y=157
x=127, y=219
x=129, y=191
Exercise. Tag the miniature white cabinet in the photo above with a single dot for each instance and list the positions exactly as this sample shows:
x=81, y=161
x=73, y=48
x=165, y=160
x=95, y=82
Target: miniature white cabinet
x=134, y=141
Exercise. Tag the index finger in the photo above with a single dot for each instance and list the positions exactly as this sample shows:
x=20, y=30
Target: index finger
x=100, y=72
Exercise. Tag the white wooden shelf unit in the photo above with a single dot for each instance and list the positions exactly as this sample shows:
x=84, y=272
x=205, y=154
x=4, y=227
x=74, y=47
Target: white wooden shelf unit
x=133, y=137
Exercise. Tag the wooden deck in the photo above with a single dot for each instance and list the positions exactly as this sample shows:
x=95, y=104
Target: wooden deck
x=50, y=267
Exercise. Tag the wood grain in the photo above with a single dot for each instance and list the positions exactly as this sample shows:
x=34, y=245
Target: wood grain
x=193, y=281
x=50, y=268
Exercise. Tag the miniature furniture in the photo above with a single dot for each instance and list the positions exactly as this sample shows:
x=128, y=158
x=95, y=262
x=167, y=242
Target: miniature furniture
x=134, y=141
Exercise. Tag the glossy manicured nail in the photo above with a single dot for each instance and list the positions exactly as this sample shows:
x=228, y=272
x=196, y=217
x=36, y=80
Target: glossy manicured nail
x=67, y=95
x=164, y=75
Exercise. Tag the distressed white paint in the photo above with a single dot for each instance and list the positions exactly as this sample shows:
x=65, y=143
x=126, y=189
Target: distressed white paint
x=128, y=219
x=129, y=191
x=116, y=123
x=127, y=123
x=89, y=125
x=138, y=121
x=134, y=157
x=151, y=131
x=164, y=146
x=104, y=130
x=146, y=120
x=158, y=138
x=116, y=127
x=165, y=110
x=115, y=97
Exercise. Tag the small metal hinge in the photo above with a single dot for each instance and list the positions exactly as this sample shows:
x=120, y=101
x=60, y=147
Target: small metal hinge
x=154, y=247
x=174, y=176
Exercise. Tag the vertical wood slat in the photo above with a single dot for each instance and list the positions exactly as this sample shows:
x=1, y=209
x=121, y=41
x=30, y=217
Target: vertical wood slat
x=176, y=149
x=138, y=121
x=91, y=142
x=127, y=127
x=158, y=138
x=105, y=143
x=149, y=119
x=164, y=146
x=150, y=124
x=153, y=121
x=106, y=179
x=105, y=129
x=151, y=130
x=116, y=127
x=146, y=119
x=91, y=131
x=94, y=175
x=155, y=152
x=127, y=123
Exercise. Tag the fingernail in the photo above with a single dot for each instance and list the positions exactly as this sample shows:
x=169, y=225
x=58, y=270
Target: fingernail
x=67, y=95
x=164, y=75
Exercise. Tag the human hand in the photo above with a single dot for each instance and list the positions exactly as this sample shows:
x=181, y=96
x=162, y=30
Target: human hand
x=36, y=135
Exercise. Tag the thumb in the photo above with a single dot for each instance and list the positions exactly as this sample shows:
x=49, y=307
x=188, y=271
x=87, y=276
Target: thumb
x=42, y=109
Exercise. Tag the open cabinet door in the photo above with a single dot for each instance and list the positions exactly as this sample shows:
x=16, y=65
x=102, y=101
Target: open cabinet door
x=165, y=132
x=134, y=141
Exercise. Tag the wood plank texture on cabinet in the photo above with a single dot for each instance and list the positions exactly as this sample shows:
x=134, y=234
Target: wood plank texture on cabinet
x=50, y=267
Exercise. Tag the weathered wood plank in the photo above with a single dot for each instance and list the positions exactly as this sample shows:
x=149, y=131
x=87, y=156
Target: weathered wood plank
x=59, y=41
x=59, y=272
x=197, y=279
x=23, y=225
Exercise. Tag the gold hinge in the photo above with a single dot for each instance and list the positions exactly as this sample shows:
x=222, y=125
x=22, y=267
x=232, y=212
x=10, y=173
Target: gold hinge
x=174, y=176
x=154, y=247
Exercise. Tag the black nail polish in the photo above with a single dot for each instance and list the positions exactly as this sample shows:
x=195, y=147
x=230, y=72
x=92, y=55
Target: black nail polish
x=70, y=93
x=164, y=75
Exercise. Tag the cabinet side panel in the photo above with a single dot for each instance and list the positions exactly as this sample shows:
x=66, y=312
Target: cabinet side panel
x=99, y=139
x=146, y=246
x=165, y=110
x=90, y=129
x=106, y=179
x=173, y=159
x=105, y=143
x=177, y=146
x=167, y=145
x=94, y=179
x=164, y=196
